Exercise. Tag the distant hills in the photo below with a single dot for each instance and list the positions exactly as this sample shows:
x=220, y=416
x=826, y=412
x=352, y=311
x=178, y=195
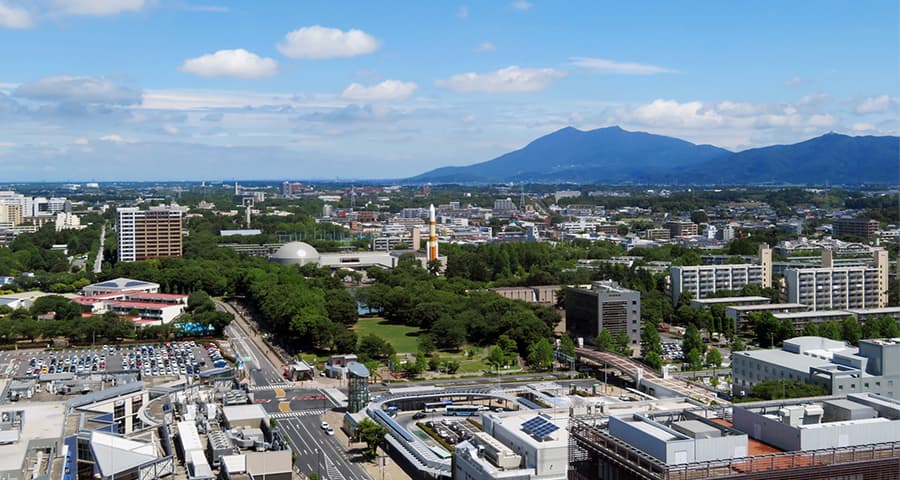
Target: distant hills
x=615, y=156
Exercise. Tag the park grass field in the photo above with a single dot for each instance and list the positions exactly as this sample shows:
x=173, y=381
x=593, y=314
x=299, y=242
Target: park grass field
x=403, y=338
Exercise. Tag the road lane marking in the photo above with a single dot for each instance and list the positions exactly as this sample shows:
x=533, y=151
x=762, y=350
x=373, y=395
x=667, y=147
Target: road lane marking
x=285, y=407
x=279, y=393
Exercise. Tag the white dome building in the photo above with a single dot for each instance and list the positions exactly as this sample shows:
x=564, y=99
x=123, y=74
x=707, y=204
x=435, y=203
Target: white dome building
x=296, y=253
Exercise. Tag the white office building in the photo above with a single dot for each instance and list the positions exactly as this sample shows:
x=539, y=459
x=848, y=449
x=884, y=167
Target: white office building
x=522, y=445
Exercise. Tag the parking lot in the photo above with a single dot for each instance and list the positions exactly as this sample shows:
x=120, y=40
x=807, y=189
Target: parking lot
x=672, y=352
x=150, y=360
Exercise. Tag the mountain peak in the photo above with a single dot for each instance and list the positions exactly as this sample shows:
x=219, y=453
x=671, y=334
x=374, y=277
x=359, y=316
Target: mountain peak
x=611, y=155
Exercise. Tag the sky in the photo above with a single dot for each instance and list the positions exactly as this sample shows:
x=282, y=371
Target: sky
x=101, y=90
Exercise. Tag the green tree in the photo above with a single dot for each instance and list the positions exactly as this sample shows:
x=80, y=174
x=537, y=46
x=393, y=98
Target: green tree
x=605, y=341
x=694, y=359
x=830, y=329
x=851, y=331
x=372, y=434
x=778, y=389
x=496, y=357
x=567, y=345
x=881, y=327
x=654, y=360
x=540, y=354
x=810, y=330
x=507, y=345
x=373, y=347
x=448, y=333
x=692, y=340
x=714, y=358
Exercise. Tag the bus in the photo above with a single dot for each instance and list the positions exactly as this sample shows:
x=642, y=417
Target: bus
x=435, y=406
x=464, y=410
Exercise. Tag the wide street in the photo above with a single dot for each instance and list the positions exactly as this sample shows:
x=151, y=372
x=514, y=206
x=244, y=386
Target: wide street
x=297, y=411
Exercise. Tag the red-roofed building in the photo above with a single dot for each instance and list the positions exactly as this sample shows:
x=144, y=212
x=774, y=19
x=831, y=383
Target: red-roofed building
x=151, y=308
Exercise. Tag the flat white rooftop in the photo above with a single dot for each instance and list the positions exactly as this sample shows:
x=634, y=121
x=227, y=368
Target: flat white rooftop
x=715, y=300
x=42, y=420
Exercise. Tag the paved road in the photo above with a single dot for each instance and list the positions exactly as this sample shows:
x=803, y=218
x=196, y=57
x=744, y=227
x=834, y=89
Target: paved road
x=298, y=412
x=98, y=262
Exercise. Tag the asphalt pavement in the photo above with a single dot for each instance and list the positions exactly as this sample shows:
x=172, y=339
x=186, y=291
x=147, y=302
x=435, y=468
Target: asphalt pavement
x=298, y=413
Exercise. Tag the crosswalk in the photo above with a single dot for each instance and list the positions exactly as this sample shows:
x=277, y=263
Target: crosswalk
x=298, y=413
x=263, y=388
x=332, y=470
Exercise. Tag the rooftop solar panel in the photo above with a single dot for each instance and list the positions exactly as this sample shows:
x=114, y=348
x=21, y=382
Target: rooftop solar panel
x=531, y=424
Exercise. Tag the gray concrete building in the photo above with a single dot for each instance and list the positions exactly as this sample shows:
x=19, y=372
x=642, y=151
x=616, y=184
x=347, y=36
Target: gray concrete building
x=839, y=368
x=606, y=305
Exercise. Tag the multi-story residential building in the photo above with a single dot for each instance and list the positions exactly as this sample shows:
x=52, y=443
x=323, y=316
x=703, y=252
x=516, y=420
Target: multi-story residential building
x=837, y=367
x=657, y=234
x=859, y=227
x=679, y=228
x=828, y=287
x=152, y=233
x=605, y=306
x=704, y=280
x=504, y=205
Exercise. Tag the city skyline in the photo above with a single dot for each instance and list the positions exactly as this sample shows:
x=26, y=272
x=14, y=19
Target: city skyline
x=166, y=90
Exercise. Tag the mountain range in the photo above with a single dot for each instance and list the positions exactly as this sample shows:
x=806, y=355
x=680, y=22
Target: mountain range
x=615, y=156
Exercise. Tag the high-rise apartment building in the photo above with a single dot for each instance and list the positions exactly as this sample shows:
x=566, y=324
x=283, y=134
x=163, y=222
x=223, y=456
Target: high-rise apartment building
x=827, y=287
x=152, y=233
x=859, y=227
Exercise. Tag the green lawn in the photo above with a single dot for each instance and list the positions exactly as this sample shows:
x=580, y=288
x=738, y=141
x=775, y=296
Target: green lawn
x=403, y=338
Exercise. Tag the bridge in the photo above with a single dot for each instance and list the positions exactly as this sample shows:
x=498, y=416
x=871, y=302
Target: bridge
x=647, y=376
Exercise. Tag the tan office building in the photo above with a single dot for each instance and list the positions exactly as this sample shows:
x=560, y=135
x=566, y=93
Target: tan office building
x=145, y=234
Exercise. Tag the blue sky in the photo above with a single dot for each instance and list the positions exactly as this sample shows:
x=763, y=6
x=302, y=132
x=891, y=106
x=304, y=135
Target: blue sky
x=191, y=89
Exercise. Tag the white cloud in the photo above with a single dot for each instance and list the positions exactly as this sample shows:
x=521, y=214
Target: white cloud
x=796, y=82
x=625, y=68
x=97, y=7
x=386, y=90
x=115, y=138
x=863, y=127
x=813, y=103
x=14, y=17
x=81, y=141
x=7, y=144
x=522, y=5
x=74, y=89
x=463, y=12
x=486, y=47
x=231, y=63
x=511, y=79
x=879, y=104
x=671, y=115
x=317, y=42
x=821, y=120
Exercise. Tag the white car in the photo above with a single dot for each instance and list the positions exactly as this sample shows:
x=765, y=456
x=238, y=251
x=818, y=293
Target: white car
x=329, y=431
x=326, y=426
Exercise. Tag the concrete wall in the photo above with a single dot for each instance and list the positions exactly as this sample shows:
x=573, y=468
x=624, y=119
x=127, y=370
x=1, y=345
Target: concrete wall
x=767, y=430
x=718, y=448
x=649, y=444
x=854, y=432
